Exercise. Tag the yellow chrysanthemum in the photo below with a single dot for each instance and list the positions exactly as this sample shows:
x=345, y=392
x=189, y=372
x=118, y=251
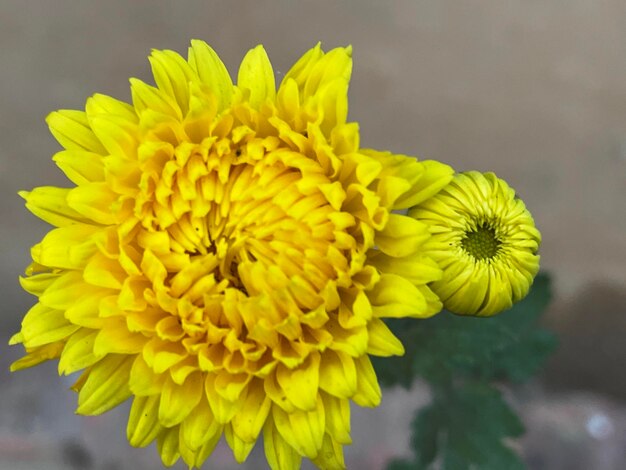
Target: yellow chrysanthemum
x=485, y=241
x=226, y=257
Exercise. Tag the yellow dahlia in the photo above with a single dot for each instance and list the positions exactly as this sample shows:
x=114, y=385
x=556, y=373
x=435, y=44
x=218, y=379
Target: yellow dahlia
x=226, y=256
x=484, y=239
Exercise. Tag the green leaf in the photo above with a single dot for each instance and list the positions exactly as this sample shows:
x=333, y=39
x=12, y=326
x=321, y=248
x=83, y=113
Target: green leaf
x=478, y=410
x=522, y=360
x=425, y=434
x=453, y=461
x=507, y=346
x=503, y=457
x=466, y=425
x=402, y=465
x=468, y=422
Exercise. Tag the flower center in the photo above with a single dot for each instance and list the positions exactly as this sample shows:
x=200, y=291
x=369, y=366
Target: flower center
x=481, y=243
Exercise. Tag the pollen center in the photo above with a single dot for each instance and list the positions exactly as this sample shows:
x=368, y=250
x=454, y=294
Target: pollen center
x=481, y=243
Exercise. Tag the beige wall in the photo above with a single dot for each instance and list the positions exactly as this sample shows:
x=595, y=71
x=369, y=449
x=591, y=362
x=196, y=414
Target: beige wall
x=534, y=90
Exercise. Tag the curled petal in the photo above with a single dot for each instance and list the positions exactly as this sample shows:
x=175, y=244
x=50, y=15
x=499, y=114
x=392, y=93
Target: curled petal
x=143, y=423
x=256, y=76
x=106, y=385
x=280, y=455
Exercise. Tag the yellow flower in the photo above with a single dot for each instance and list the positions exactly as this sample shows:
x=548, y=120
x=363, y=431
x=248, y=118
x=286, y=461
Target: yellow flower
x=226, y=257
x=485, y=241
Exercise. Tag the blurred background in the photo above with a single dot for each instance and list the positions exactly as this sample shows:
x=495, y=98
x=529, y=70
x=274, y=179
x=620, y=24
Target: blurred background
x=534, y=90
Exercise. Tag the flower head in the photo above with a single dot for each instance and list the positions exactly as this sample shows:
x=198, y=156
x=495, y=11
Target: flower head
x=226, y=256
x=484, y=239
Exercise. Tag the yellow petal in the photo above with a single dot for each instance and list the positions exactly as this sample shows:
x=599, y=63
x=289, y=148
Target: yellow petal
x=43, y=325
x=331, y=455
x=118, y=135
x=99, y=104
x=85, y=311
x=360, y=169
x=167, y=445
x=301, y=384
x=368, y=391
x=256, y=76
x=65, y=289
x=172, y=75
x=288, y=102
x=301, y=69
x=222, y=409
x=425, y=178
x=334, y=194
x=394, y=296
x=436, y=176
x=123, y=175
x=180, y=371
x=352, y=341
x=211, y=71
x=456, y=274
x=50, y=204
x=241, y=449
x=303, y=430
x=276, y=393
x=470, y=295
x=203, y=453
x=402, y=236
x=381, y=341
x=17, y=338
x=332, y=102
x=417, y=268
x=336, y=63
x=71, y=129
x=337, y=418
x=161, y=355
x=200, y=427
x=177, y=401
x=78, y=352
x=106, y=385
x=38, y=355
x=185, y=278
x=338, y=374
x=249, y=420
x=131, y=298
x=280, y=455
x=231, y=386
x=189, y=456
x=170, y=329
x=66, y=247
x=38, y=283
x=143, y=425
x=114, y=337
x=105, y=272
x=356, y=312
x=146, y=97
x=94, y=201
x=345, y=138
x=390, y=188
x=143, y=381
x=80, y=166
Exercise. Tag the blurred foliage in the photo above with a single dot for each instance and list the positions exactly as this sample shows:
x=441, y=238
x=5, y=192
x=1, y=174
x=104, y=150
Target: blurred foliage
x=467, y=422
